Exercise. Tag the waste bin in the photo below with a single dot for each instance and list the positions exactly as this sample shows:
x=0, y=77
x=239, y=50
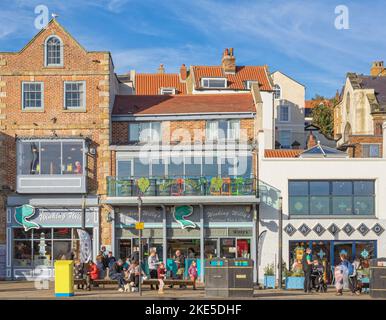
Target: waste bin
x=240, y=277
x=229, y=277
x=64, y=278
x=216, y=278
x=378, y=278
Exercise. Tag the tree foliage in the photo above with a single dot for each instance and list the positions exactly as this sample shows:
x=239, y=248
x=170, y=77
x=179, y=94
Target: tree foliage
x=323, y=117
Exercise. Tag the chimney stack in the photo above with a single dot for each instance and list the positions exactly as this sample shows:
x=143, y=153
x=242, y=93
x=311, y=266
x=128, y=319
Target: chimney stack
x=378, y=69
x=228, y=61
x=161, y=68
x=311, y=141
x=183, y=72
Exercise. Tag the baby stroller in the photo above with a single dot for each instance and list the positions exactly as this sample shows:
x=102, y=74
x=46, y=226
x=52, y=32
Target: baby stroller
x=317, y=279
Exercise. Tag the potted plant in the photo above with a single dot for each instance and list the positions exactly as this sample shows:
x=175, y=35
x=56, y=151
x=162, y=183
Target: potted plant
x=295, y=280
x=269, y=276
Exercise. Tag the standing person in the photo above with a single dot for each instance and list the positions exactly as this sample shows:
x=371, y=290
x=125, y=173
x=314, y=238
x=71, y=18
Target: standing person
x=353, y=277
x=135, y=255
x=153, y=262
x=307, y=268
x=341, y=274
x=161, y=273
x=116, y=274
x=193, y=274
x=179, y=259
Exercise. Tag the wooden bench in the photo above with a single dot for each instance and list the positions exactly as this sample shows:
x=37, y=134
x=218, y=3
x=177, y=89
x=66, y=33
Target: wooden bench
x=148, y=282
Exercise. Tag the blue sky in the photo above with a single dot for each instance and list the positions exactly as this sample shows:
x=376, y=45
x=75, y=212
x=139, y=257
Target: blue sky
x=297, y=37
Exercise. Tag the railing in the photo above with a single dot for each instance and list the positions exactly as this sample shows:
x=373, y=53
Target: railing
x=182, y=186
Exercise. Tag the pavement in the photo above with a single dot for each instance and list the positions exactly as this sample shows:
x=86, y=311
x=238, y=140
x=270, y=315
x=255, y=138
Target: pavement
x=25, y=290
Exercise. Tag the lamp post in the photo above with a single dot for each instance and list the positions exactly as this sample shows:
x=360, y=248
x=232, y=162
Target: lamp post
x=140, y=245
x=280, y=245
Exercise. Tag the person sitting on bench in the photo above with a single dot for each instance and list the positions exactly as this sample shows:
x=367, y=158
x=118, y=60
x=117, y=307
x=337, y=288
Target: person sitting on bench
x=116, y=273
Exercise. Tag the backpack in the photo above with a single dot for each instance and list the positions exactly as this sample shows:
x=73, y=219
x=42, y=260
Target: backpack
x=350, y=268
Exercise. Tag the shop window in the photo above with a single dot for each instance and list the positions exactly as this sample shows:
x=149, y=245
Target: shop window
x=61, y=250
x=22, y=253
x=63, y=233
x=344, y=197
x=54, y=157
x=42, y=250
x=210, y=248
x=19, y=233
x=228, y=248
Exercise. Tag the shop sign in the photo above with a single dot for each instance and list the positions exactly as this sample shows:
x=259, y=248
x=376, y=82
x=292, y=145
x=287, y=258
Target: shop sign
x=228, y=213
x=180, y=213
x=333, y=229
x=129, y=216
x=139, y=225
x=290, y=229
x=348, y=229
x=240, y=232
x=31, y=217
x=363, y=229
x=378, y=229
x=319, y=229
x=304, y=229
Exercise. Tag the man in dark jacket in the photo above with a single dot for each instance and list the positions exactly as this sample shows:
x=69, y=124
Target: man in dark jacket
x=307, y=268
x=116, y=273
x=179, y=259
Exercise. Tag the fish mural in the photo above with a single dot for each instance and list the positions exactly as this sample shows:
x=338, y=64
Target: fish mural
x=180, y=213
x=22, y=214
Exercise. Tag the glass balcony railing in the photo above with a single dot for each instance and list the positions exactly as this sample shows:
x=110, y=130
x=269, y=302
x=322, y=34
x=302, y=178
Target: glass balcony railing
x=182, y=186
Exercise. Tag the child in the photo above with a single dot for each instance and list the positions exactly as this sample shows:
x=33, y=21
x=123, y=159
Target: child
x=161, y=272
x=192, y=271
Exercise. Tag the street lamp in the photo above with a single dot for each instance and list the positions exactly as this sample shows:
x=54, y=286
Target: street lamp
x=140, y=245
x=280, y=246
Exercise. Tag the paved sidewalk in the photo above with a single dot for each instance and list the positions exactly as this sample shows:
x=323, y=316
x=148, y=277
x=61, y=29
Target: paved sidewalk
x=26, y=290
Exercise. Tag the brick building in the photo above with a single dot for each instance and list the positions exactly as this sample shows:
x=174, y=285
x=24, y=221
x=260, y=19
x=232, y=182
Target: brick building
x=55, y=102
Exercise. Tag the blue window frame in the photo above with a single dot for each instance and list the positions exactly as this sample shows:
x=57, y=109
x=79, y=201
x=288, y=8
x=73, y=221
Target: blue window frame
x=331, y=197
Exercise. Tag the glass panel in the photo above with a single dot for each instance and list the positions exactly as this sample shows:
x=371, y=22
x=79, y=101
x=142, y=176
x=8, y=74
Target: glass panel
x=364, y=187
x=72, y=157
x=62, y=233
x=124, y=168
x=284, y=113
x=228, y=248
x=364, y=205
x=141, y=169
x=298, y=188
x=320, y=205
x=210, y=248
x=176, y=167
x=19, y=233
x=342, y=205
x=319, y=188
x=210, y=167
x=226, y=168
x=124, y=246
x=222, y=129
x=156, y=244
x=62, y=250
x=296, y=251
x=244, y=166
x=298, y=205
x=144, y=132
x=244, y=248
x=342, y=188
x=155, y=131
x=234, y=130
x=134, y=132
x=192, y=169
x=46, y=233
x=42, y=252
x=50, y=158
x=74, y=95
x=158, y=168
x=22, y=253
x=212, y=130
x=29, y=158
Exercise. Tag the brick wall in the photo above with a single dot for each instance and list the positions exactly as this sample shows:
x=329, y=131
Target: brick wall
x=358, y=141
x=93, y=123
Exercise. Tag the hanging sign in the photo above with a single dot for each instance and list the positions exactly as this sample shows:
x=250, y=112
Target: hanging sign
x=180, y=213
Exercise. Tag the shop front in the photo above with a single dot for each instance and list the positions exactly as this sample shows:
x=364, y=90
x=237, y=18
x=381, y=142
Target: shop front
x=199, y=231
x=40, y=231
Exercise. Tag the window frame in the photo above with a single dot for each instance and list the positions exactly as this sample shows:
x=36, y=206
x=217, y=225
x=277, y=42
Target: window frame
x=369, y=145
x=288, y=113
x=163, y=89
x=248, y=84
x=213, y=78
x=276, y=89
x=83, y=107
x=51, y=65
x=42, y=96
x=139, y=131
x=290, y=136
x=332, y=197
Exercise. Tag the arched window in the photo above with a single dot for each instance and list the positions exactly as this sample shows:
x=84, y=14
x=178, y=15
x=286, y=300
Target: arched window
x=276, y=91
x=53, y=51
x=348, y=103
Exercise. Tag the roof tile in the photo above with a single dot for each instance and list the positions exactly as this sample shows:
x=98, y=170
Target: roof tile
x=151, y=83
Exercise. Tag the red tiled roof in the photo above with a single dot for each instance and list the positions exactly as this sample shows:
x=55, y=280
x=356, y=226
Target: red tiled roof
x=183, y=104
x=151, y=83
x=310, y=104
x=235, y=81
x=281, y=153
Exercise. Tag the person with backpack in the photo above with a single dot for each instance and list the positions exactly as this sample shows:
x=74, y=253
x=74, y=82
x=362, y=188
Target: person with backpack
x=307, y=268
x=353, y=277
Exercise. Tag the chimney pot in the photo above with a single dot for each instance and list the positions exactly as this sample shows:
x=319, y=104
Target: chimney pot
x=183, y=72
x=378, y=69
x=161, y=68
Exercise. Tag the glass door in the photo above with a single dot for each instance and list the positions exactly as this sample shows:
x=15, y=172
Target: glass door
x=342, y=248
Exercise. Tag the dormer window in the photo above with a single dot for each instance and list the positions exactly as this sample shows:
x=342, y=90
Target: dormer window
x=249, y=83
x=214, y=83
x=166, y=91
x=53, y=52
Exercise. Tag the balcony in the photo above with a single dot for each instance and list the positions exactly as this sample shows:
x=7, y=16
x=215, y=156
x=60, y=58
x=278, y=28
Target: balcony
x=51, y=166
x=181, y=186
